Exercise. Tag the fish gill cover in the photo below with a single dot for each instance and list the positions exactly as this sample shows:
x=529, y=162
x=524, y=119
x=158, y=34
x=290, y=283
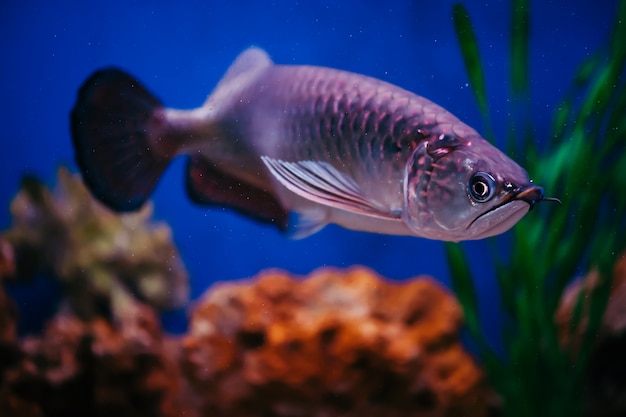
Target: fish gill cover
x=585, y=159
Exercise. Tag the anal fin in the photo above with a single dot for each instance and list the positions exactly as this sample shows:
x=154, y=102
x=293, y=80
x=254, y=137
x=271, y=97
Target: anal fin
x=207, y=185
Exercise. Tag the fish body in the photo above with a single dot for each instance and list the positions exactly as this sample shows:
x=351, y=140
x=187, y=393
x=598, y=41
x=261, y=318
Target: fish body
x=327, y=145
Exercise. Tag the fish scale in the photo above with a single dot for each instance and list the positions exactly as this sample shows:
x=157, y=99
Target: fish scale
x=347, y=125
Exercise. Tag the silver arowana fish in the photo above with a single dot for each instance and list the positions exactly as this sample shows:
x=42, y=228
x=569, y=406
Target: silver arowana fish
x=326, y=145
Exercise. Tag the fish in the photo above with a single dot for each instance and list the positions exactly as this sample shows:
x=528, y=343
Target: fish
x=299, y=147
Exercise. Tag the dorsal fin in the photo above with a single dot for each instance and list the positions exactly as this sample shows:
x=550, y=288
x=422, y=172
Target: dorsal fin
x=252, y=59
x=248, y=65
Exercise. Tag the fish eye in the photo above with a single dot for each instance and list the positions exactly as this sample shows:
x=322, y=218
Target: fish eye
x=481, y=187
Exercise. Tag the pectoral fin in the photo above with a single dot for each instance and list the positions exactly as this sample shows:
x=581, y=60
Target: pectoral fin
x=320, y=182
x=305, y=223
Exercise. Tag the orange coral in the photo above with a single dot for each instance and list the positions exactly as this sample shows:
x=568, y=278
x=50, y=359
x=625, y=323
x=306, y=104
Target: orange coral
x=94, y=368
x=605, y=384
x=8, y=317
x=338, y=343
x=7, y=259
x=614, y=320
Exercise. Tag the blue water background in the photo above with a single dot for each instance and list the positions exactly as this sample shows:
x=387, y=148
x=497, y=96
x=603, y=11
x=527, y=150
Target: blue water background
x=181, y=49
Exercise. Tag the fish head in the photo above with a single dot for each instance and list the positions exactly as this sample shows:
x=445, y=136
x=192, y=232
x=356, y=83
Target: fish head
x=463, y=188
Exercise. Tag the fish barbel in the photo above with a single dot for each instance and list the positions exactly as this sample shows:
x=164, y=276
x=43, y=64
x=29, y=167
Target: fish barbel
x=301, y=147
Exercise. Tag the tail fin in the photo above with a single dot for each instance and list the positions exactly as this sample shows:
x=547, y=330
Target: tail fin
x=111, y=126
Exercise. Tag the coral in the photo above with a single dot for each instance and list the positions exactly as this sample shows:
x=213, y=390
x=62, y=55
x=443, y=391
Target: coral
x=614, y=318
x=9, y=352
x=337, y=343
x=89, y=248
x=8, y=315
x=7, y=259
x=605, y=381
x=95, y=368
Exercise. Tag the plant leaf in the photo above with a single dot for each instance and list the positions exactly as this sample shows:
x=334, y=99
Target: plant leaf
x=473, y=65
x=520, y=28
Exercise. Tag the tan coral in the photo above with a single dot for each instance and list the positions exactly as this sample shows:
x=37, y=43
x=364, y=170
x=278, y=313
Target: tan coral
x=69, y=234
x=343, y=343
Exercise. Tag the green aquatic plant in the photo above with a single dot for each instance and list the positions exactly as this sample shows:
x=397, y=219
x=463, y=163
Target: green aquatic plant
x=584, y=163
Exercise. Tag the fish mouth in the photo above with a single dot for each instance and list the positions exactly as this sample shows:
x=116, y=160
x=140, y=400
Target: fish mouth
x=531, y=195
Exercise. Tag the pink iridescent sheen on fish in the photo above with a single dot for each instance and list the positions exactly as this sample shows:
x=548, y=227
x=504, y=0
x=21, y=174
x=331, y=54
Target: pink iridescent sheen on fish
x=301, y=147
